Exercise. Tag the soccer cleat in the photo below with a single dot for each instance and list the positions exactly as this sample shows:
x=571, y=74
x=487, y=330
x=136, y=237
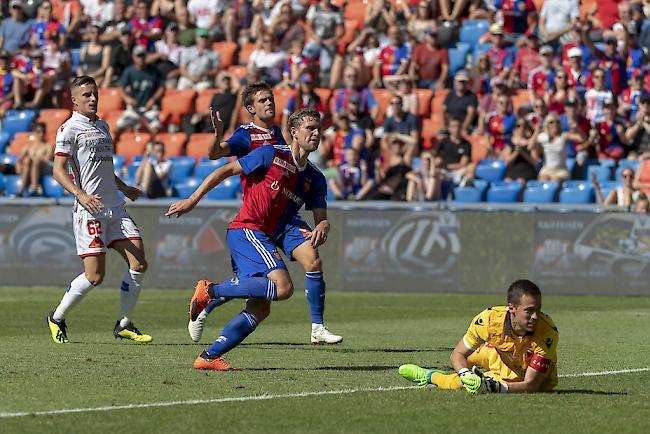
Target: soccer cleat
x=416, y=374
x=131, y=332
x=58, y=329
x=195, y=328
x=212, y=363
x=321, y=335
x=200, y=299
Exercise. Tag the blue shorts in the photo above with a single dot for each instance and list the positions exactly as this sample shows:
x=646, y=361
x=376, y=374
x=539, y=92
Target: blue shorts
x=252, y=253
x=293, y=234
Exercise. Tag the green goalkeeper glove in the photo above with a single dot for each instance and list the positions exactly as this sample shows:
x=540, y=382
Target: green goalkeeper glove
x=470, y=380
x=476, y=383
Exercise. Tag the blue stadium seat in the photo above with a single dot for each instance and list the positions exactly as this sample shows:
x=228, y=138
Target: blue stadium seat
x=8, y=159
x=416, y=163
x=504, y=192
x=607, y=186
x=119, y=161
x=577, y=184
x=607, y=163
x=480, y=48
x=226, y=190
x=2, y=182
x=472, y=30
x=186, y=188
x=468, y=194
x=482, y=185
x=137, y=159
x=12, y=185
x=51, y=188
x=542, y=193
x=181, y=169
x=576, y=196
x=75, y=58
x=18, y=122
x=490, y=170
x=330, y=195
x=634, y=164
x=457, y=58
x=582, y=172
x=133, y=168
x=5, y=138
x=570, y=165
x=603, y=173
x=204, y=168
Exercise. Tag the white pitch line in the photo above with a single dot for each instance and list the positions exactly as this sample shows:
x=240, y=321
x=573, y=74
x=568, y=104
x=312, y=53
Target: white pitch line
x=268, y=397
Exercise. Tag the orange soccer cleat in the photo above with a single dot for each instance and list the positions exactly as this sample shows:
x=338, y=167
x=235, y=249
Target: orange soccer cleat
x=204, y=361
x=203, y=295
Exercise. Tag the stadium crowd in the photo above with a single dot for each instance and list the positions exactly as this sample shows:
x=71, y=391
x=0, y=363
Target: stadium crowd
x=509, y=100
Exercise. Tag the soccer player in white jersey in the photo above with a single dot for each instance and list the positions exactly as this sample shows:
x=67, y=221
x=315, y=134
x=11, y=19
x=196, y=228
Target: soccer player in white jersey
x=83, y=165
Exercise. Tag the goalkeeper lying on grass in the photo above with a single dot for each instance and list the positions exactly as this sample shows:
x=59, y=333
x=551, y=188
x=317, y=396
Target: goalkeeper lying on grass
x=506, y=349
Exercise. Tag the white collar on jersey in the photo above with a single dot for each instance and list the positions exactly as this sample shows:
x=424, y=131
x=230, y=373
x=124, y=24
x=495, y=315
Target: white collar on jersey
x=262, y=128
x=84, y=117
x=300, y=169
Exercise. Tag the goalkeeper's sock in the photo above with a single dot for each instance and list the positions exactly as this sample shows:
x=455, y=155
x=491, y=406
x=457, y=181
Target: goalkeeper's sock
x=233, y=333
x=315, y=289
x=77, y=289
x=215, y=304
x=446, y=381
x=253, y=287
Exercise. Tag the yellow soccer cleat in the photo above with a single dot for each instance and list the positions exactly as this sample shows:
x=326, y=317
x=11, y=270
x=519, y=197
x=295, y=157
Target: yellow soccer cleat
x=58, y=329
x=131, y=332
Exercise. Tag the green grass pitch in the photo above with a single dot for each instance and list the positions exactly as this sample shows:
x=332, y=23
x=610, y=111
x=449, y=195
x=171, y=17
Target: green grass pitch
x=381, y=332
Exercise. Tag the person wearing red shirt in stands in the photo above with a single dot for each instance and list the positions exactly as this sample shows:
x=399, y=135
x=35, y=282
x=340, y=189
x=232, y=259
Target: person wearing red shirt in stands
x=430, y=63
x=541, y=78
x=502, y=57
x=610, y=61
x=146, y=29
x=610, y=134
x=527, y=59
x=500, y=124
x=579, y=78
x=516, y=14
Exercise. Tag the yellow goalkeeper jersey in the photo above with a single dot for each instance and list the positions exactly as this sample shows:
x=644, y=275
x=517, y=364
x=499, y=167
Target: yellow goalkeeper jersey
x=538, y=351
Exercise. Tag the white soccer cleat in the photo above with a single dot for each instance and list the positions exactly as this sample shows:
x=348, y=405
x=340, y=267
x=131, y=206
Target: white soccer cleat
x=195, y=328
x=321, y=335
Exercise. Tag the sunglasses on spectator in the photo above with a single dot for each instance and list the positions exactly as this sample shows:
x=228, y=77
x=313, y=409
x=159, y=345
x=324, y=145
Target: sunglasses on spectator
x=551, y=122
x=625, y=176
x=599, y=75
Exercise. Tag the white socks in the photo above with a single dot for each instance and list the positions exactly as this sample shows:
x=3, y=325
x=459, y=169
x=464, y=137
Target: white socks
x=129, y=292
x=77, y=289
x=315, y=326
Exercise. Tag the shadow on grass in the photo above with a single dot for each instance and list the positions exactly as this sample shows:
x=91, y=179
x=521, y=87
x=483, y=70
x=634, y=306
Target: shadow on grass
x=587, y=392
x=341, y=348
x=329, y=368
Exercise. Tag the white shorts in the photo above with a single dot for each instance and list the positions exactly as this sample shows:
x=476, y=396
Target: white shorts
x=95, y=234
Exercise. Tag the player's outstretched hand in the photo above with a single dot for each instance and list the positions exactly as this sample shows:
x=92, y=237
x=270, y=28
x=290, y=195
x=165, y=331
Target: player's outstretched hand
x=132, y=192
x=92, y=203
x=181, y=207
x=471, y=381
x=217, y=123
x=319, y=234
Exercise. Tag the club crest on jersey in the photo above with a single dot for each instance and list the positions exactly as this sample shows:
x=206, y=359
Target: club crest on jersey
x=264, y=136
x=275, y=186
x=280, y=162
x=307, y=185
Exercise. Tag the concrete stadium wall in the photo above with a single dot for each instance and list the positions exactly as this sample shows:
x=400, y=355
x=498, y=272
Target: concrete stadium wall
x=372, y=247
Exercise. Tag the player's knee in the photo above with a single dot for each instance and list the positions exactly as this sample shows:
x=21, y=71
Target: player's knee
x=314, y=265
x=140, y=266
x=284, y=290
x=95, y=277
x=260, y=311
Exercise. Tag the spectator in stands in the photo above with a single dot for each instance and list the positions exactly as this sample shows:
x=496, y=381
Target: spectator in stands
x=152, y=176
x=15, y=30
x=352, y=181
x=501, y=55
x=577, y=74
x=338, y=137
x=325, y=24
x=68, y=13
x=635, y=57
x=425, y=182
x=6, y=83
x=368, y=103
x=380, y=15
x=205, y=14
x=112, y=30
x=557, y=18
x=461, y=103
x=629, y=99
x=481, y=75
x=638, y=133
x=56, y=60
x=528, y=58
x=286, y=29
x=454, y=156
x=120, y=56
x=163, y=8
x=32, y=163
x=167, y=56
x=429, y=66
x=98, y=13
x=642, y=178
x=540, y=110
x=420, y=22
x=452, y=10
x=626, y=195
x=401, y=85
x=402, y=126
x=610, y=134
x=45, y=25
x=499, y=125
x=597, y=96
x=393, y=58
x=573, y=118
x=199, y=64
x=268, y=60
x=305, y=97
x=361, y=120
x=95, y=58
x=642, y=205
x=32, y=81
x=522, y=154
x=519, y=17
x=226, y=101
x=363, y=53
x=141, y=89
x=296, y=64
x=540, y=79
x=553, y=141
x=392, y=183
x=558, y=94
x=609, y=61
x=186, y=29
x=146, y=29
x=488, y=102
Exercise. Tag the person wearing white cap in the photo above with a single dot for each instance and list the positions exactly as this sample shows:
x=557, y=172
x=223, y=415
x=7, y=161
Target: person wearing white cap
x=578, y=76
x=15, y=30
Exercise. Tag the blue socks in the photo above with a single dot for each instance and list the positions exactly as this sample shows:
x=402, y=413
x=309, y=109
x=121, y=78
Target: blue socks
x=315, y=289
x=253, y=287
x=216, y=303
x=233, y=334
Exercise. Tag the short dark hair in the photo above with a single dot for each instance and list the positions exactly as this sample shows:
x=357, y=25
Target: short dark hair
x=297, y=117
x=252, y=89
x=520, y=287
x=455, y=119
x=82, y=80
x=40, y=125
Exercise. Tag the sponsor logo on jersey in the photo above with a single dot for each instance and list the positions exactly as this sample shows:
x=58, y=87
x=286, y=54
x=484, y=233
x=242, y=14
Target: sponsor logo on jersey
x=280, y=162
x=275, y=186
x=264, y=136
x=291, y=195
x=548, y=342
x=96, y=243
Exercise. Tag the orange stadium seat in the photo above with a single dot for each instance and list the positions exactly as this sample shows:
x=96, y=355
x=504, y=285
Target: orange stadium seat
x=109, y=101
x=425, y=96
x=198, y=144
x=173, y=143
x=479, y=147
x=519, y=99
x=429, y=131
x=245, y=53
x=111, y=120
x=53, y=118
x=282, y=96
x=132, y=144
x=356, y=10
x=202, y=103
x=383, y=100
x=20, y=141
x=175, y=104
x=325, y=94
x=437, y=103
x=237, y=71
x=227, y=51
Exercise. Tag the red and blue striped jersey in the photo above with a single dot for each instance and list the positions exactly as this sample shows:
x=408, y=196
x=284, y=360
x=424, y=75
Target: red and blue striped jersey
x=275, y=190
x=250, y=137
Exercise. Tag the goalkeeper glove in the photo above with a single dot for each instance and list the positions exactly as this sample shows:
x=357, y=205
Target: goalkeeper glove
x=470, y=380
x=475, y=382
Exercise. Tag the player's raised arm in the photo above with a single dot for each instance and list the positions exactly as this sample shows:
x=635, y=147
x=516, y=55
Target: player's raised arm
x=92, y=202
x=214, y=179
x=218, y=149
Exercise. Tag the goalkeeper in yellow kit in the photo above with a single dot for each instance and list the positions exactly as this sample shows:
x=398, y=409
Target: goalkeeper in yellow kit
x=509, y=348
